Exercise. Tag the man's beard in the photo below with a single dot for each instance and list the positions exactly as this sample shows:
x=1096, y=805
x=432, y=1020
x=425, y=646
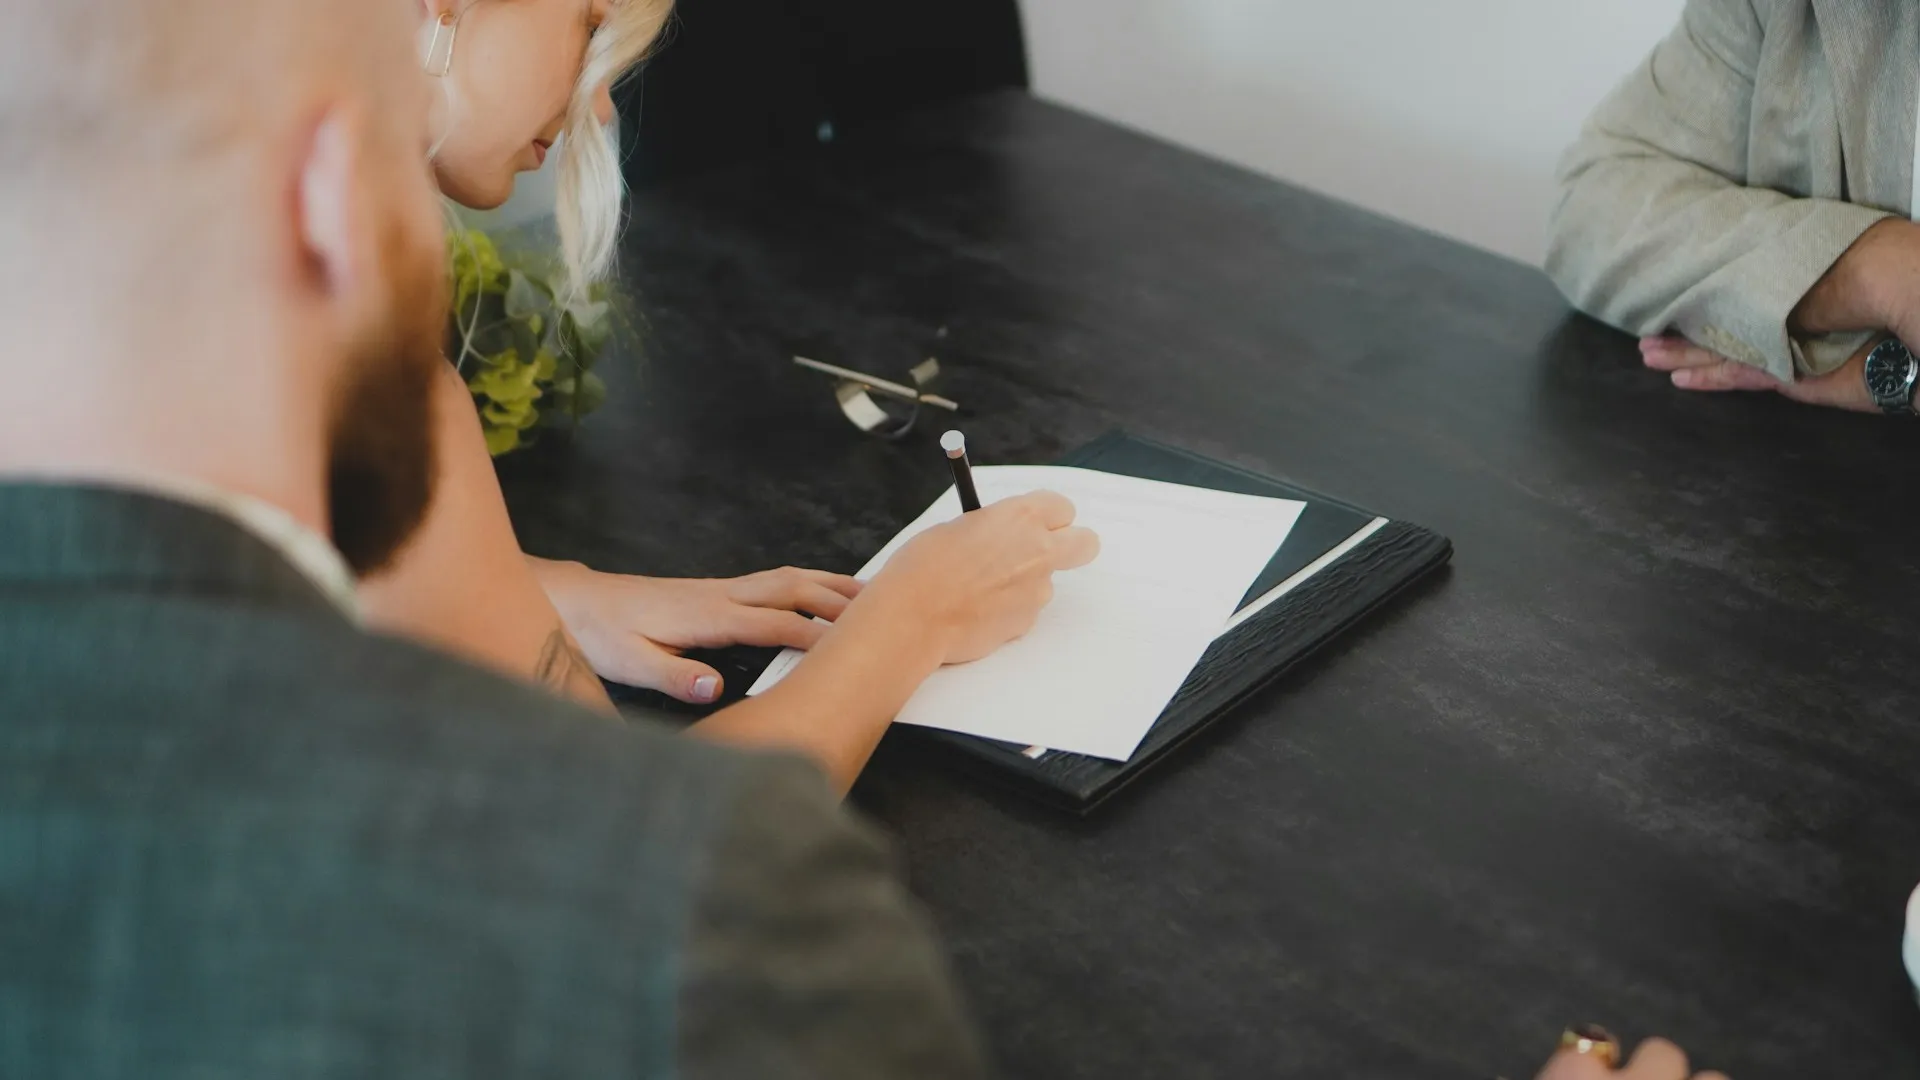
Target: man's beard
x=382, y=463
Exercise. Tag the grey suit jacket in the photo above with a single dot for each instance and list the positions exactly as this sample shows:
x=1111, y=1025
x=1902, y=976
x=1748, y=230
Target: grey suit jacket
x=241, y=840
x=1728, y=173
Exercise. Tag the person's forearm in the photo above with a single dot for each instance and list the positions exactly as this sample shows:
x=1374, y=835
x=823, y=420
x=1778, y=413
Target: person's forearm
x=562, y=665
x=543, y=567
x=1875, y=285
x=564, y=669
x=462, y=585
x=552, y=574
x=837, y=704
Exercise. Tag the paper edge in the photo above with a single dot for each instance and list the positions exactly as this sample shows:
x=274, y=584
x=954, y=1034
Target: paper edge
x=1267, y=599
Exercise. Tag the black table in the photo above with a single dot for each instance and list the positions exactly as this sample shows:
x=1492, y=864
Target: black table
x=1647, y=755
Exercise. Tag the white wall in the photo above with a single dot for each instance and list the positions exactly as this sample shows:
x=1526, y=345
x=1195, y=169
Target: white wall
x=1446, y=113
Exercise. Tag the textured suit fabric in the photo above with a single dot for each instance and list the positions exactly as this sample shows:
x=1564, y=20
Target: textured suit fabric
x=239, y=838
x=1730, y=171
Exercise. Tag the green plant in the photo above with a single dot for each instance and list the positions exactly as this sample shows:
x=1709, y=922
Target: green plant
x=526, y=352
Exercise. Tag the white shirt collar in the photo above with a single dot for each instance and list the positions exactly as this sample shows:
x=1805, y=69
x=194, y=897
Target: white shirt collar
x=313, y=555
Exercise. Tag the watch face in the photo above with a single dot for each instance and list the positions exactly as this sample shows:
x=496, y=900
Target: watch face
x=1888, y=376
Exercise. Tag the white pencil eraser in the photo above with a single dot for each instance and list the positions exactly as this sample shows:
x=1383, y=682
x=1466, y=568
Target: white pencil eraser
x=953, y=442
x=1911, y=946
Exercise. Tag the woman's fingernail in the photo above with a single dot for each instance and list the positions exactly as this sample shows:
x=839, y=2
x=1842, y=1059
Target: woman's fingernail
x=1683, y=378
x=706, y=687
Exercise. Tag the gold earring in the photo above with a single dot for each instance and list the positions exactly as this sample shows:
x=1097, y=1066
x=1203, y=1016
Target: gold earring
x=440, y=49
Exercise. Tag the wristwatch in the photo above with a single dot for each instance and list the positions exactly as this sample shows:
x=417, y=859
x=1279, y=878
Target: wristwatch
x=1892, y=372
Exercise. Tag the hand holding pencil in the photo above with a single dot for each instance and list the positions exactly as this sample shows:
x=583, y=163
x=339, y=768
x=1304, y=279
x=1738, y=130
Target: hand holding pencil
x=981, y=580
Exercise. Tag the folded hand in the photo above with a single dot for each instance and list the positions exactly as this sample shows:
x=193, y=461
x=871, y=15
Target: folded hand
x=1694, y=368
x=1656, y=1059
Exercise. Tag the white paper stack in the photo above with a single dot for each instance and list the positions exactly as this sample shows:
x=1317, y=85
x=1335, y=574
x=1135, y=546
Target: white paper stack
x=1121, y=635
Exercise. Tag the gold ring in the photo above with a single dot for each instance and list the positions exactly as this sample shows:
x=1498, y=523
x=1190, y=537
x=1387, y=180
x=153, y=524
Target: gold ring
x=1594, y=1041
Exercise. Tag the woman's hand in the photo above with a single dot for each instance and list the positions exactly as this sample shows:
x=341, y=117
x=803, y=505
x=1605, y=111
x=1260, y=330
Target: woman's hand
x=634, y=629
x=1657, y=1059
x=955, y=593
x=982, y=579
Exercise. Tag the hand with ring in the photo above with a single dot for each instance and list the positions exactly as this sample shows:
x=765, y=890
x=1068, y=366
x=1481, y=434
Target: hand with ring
x=1590, y=1053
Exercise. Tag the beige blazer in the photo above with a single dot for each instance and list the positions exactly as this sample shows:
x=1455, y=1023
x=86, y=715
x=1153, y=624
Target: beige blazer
x=1723, y=178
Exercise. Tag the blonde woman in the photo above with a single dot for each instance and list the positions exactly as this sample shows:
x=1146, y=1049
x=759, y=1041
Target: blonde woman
x=515, y=81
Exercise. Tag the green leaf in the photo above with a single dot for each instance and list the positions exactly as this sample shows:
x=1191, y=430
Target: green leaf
x=465, y=286
x=592, y=395
x=492, y=340
x=525, y=352
x=570, y=344
x=524, y=343
x=477, y=267
x=592, y=323
x=591, y=315
x=524, y=299
x=516, y=414
x=502, y=440
x=507, y=385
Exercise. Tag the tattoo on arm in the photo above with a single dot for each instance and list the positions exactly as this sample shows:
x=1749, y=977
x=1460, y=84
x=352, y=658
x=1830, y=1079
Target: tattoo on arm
x=561, y=662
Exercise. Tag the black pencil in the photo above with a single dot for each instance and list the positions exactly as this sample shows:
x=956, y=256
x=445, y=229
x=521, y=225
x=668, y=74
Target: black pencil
x=955, y=444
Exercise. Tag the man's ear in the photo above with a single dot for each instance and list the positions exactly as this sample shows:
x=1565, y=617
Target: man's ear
x=337, y=236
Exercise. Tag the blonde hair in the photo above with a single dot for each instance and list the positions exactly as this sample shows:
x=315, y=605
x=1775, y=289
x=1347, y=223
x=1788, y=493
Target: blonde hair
x=591, y=188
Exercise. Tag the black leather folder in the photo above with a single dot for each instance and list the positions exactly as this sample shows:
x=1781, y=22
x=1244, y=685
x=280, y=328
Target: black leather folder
x=1390, y=557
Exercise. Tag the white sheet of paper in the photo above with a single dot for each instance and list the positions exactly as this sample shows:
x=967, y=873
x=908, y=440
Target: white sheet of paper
x=1122, y=634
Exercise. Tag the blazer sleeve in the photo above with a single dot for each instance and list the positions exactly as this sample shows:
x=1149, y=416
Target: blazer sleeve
x=805, y=958
x=1655, y=230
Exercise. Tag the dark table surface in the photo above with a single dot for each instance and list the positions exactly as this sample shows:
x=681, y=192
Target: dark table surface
x=1648, y=754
